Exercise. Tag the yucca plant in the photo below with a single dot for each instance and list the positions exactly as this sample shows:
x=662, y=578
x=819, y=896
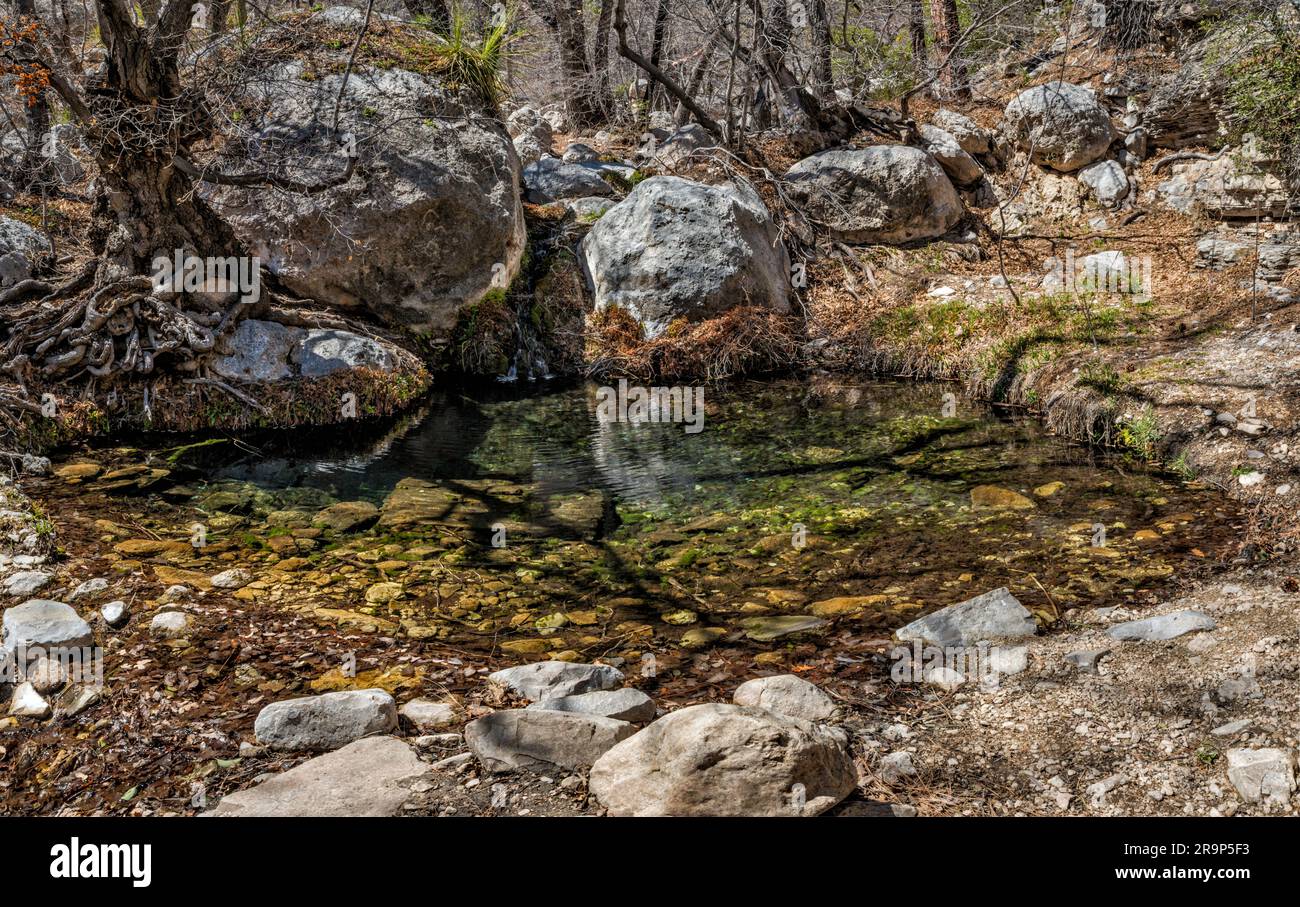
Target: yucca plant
x=479, y=65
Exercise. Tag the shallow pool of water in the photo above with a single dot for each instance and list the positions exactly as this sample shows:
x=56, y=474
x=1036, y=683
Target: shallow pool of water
x=822, y=505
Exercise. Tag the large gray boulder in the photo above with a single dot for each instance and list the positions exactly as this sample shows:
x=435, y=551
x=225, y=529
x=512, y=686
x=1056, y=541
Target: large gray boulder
x=526, y=739
x=1060, y=125
x=432, y=172
x=993, y=615
x=370, y=777
x=325, y=722
x=679, y=249
x=725, y=760
x=881, y=194
x=551, y=179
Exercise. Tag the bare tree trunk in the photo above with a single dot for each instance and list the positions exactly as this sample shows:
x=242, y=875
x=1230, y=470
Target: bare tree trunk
x=600, y=56
x=626, y=52
x=564, y=18
x=947, y=28
x=800, y=107
x=656, y=50
x=916, y=26
x=821, y=40
x=681, y=116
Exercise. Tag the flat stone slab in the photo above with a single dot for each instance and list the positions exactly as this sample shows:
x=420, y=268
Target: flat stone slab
x=993, y=615
x=1262, y=774
x=553, y=679
x=1164, y=626
x=541, y=739
x=25, y=582
x=764, y=629
x=370, y=777
x=626, y=704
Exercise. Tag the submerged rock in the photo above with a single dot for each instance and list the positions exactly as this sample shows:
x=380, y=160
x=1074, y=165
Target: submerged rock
x=347, y=516
x=725, y=760
x=539, y=739
x=1164, y=626
x=788, y=695
x=327, y=721
x=991, y=496
x=763, y=629
x=993, y=615
x=371, y=777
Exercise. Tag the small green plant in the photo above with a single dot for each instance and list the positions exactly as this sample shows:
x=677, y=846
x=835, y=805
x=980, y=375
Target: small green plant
x=1103, y=378
x=1141, y=435
x=1181, y=468
x=479, y=65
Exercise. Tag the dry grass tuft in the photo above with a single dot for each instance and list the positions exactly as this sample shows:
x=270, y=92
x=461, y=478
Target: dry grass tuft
x=745, y=341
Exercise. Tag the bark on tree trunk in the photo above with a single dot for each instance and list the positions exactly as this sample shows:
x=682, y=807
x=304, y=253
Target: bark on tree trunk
x=656, y=51
x=600, y=56
x=821, y=39
x=916, y=27
x=947, y=28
